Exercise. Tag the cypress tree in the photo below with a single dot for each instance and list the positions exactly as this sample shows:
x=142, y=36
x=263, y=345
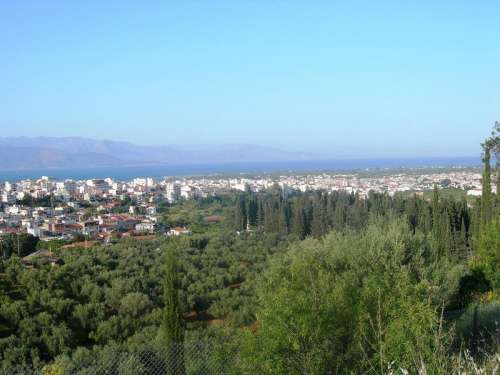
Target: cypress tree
x=283, y=218
x=412, y=212
x=495, y=147
x=444, y=235
x=475, y=227
x=340, y=216
x=330, y=209
x=425, y=221
x=240, y=221
x=464, y=240
x=172, y=325
x=260, y=214
x=318, y=226
x=435, y=206
x=251, y=210
x=298, y=225
x=486, y=197
x=268, y=218
x=306, y=209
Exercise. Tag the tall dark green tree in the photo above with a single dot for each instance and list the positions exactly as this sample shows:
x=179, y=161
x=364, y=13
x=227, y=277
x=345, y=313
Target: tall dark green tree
x=319, y=221
x=495, y=148
x=251, y=210
x=443, y=234
x=172, y=325
x=260, y=214
x=435, y=205
x=461, y=241
x=486, y=197
x=283, y=218
x=240, y=220
x=298, y=221
x=339, y=219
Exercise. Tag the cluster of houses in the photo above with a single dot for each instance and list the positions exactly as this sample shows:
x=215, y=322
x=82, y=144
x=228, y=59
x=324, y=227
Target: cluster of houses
x=94, y=209
x=66, y=221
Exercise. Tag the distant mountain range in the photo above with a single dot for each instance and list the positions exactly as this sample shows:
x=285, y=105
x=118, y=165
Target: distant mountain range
x=75, y=152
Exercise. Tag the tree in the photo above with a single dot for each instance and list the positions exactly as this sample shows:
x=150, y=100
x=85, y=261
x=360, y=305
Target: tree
x=435, y=206
x=486, y=197
x=283, y=217
x=488, y=254
x=319, y=220
x=495, y=148
x=251, y=210
x=298, y=224
x=172, y=325
x=461, y=241
x=351, y=303
x=260, y=214
x=241, y=217
x=339, y=216
x=20, y=244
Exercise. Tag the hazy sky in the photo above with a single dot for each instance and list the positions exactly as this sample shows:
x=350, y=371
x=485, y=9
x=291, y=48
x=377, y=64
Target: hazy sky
x=387, y=78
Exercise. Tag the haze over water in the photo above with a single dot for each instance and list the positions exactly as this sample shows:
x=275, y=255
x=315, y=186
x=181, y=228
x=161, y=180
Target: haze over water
x=127, y=173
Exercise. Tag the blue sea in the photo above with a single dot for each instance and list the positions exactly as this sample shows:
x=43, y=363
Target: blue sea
x=128, y=173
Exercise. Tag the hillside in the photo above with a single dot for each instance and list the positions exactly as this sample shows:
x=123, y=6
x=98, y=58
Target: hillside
x=76, y=152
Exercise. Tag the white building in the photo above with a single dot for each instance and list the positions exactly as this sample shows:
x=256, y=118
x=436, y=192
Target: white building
x=8, y=197
x=475, y=193
x=145, y=226
x=172, y=192
x=71, y=187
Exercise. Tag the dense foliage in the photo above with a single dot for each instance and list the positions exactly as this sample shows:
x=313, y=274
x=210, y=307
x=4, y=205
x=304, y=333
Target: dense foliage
x=352, y=302
x=109, y=294
x=315, y=282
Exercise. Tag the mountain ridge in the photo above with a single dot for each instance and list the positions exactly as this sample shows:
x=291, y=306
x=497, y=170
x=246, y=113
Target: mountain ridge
x=78, y=152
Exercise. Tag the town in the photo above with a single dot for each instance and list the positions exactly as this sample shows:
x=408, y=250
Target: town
x=97, y=208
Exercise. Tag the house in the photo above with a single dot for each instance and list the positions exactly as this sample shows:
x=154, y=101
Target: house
x=98, y=184
x=178, y=231
x=145, y=226
x=34, y=231
x=123, y=222
x=90, y=227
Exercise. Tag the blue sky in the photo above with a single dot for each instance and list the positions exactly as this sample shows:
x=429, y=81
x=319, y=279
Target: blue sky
x=381, y=78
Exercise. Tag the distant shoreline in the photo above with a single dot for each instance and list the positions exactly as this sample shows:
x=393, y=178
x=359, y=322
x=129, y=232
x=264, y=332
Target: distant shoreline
x=130, y=172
